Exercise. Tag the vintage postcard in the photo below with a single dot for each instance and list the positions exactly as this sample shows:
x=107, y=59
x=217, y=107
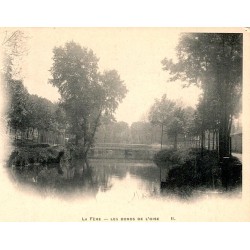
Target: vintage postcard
x=124, y=124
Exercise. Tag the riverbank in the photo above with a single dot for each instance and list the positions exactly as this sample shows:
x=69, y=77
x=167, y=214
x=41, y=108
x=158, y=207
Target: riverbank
x=26, y=154
x=188, y=170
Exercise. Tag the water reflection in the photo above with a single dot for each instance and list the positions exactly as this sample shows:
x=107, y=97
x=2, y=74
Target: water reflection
x=125, y=180
x=128, y=180
x=107, y=179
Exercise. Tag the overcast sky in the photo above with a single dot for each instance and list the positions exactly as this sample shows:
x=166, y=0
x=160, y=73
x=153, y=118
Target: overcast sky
x=136, y=53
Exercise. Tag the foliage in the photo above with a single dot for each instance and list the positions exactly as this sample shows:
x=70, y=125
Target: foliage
x=30, y=111
x=175, y=157
x=188, y=120
x=142, y=133
x=24, y=155
x=18, y=114
x=86, y=94
x=41, y=112
x=190, y=170
x=114, y=132
x=212, y=61
x=161, y=111
x=176, y=125
x=24, y=111
x=172, y=118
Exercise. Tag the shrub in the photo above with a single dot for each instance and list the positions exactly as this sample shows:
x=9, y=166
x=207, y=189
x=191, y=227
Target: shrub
x=174, y=157
x=189, y=169
x=22, y=156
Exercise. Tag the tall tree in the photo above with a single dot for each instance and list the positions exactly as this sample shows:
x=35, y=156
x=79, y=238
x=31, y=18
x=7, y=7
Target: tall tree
x=12, y=48
x=176, y=124
x=161, y=112
x=86, y=94
x=212, y=61
x=18, y=111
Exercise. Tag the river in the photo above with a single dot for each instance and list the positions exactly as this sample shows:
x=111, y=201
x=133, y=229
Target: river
x=106, y=179
x=112, y=179
x=111, y=189
x=126, y=180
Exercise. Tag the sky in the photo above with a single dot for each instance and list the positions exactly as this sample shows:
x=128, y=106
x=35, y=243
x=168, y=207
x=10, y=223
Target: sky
x=136, y=53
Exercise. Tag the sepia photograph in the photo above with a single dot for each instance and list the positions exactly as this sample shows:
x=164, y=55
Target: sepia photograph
x=123, y=124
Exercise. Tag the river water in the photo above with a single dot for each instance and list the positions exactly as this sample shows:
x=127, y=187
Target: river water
x=126, y=180
x=111, y=189
x=106, y=180
x=115, y=179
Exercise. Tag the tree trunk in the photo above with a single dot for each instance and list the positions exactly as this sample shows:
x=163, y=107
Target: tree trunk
x=32, y=134
x=202, y=143
x=175, y=141
x=27, y=133
x=38, y=134
x=208, y=140
x=86, y=162
x=86, y=165
x=224, y=93
x=217, y=141
x=213, y=139
x=77, y=139
x=224, y=135
x=161, y=134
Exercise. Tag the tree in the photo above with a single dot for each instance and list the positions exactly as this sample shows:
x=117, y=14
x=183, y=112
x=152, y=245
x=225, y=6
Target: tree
x=176, y=124
x=86, y=94
x=29, y=112
x=24, y=112
x=207, y=120
x=189, y=113
x=12, y=48
x=172, y=118
x=212, y=61
x=113, y=132
x=41, y=113
x=61, y=122
x=141, y=132
x=17, y=113
x=161, y=112
x=121, y=132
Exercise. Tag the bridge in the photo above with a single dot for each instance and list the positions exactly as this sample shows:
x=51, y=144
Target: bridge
x=123, y=151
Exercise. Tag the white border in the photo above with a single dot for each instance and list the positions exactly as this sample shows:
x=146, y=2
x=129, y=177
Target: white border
x=109, y=13
x=124, y=235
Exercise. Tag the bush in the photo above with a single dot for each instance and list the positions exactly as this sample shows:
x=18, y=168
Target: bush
x=189, y=169
x=22, y=156
x=174, y=157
